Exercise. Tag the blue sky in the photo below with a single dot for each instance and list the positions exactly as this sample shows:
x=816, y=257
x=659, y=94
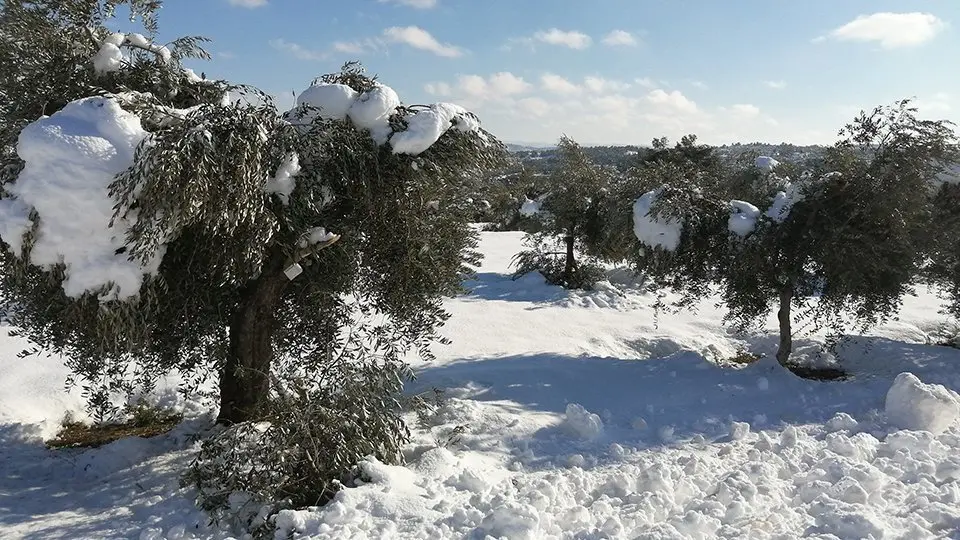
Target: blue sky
x=604, y=71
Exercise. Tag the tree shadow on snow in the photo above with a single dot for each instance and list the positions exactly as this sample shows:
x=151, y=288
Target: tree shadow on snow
x=122, y=487
x=531, y=287
x=670, y=399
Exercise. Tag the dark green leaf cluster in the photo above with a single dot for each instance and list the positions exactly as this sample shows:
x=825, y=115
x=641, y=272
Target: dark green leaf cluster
x=319, y=424
x=570, y=211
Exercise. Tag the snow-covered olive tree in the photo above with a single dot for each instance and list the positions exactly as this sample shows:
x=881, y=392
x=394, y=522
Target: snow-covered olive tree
x=847, y=239
x=568, y=211
x=153, y=222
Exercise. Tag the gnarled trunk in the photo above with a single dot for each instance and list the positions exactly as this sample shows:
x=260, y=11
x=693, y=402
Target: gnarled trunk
x=570, y=262
x=245, y=379
x=786, y=333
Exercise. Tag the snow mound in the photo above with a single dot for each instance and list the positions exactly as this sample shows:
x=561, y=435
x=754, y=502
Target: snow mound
x=372, y=110
x=427, y=126
x=652, y=231
x=332, y=100
x=743, y=218
x=766, y=163
x=71, y=158
x=582, y=423
x=913, y=405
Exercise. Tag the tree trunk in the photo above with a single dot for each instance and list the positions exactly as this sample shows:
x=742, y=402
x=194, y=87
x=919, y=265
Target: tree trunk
x=245, y=379
x=571, y=261
x=786, y=334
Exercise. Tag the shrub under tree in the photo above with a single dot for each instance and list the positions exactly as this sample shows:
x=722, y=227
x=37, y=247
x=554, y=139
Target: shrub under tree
x=846, y=239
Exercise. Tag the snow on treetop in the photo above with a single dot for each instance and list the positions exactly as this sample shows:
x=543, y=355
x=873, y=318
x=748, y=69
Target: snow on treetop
x=110, y=58
x=766, y=163
x=284, y=181
x=332, y=100
x=371, y=110
x=743, y=218
x=70, y=159
x=427, y=126
x=783, y=201
x=652, y=231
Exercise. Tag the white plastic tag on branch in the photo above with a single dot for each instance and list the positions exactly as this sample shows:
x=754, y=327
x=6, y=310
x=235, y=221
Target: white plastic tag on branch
x=293, y=271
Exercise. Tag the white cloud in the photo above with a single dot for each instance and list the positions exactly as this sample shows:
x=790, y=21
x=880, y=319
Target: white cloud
x=596, y=110
x=495, y=86
x=507, y=83
x=441, y=89
x=418, y=4
x=673, y=100
x=620, y=38
x=535, y=107
x=419, y=38
x=297, y=50
x=349, y=47
x=699, y=84
x=226, y=55
x=776, y=85
x=645, y=82
x=572, y=38
x=601, y=85
x=248, y=3
x=746, y=110
x=890, y=30
x=558, y=85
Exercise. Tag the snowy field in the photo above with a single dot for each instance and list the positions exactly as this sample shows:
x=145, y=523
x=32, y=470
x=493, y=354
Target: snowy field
x=570, y=415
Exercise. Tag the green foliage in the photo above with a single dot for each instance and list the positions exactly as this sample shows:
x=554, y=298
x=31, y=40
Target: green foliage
x=570, y=209
x=855, y=238
x=329, y=344
x=318, y=425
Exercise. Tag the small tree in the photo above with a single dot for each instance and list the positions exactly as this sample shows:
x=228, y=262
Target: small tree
x=566, y=211
x=848, y=235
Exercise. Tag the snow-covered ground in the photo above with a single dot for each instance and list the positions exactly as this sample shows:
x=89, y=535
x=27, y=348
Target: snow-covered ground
x=569, y=415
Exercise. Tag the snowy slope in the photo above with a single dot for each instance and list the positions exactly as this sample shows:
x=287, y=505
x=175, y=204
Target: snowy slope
x=570, y=415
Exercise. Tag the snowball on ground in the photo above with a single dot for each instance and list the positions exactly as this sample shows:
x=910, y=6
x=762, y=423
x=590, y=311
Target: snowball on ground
x=766, y=163
x=913, y=405
x=284, y=182
x=332, y=100
x=651, y=231
x=372, y=110
x=743, y=218
x=530, y=208
x=70, y=159
x=582, y=423
x=427, y=126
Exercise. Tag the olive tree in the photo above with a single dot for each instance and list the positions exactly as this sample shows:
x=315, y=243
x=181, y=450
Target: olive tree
x=844, y=239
